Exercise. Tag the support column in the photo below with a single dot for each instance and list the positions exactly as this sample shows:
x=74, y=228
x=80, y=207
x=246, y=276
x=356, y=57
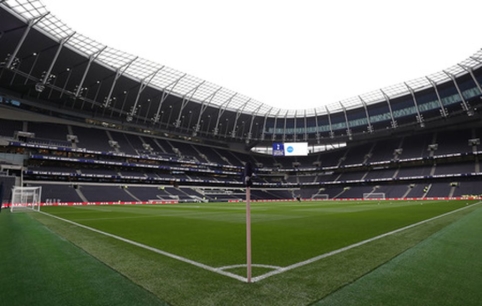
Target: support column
x=443, y=111
x=30, y=24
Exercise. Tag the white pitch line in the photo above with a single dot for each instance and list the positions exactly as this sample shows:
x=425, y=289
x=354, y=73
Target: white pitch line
x=254, y=265
x=277, y=270
x=192, y=262
x=311, y=260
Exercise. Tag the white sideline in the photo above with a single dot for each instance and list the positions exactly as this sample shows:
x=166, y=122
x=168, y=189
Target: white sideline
x=311, y=260
x=277, y=270
x=192, y=262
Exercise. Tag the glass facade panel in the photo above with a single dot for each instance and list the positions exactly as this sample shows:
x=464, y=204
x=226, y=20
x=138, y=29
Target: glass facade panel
x=404, y=107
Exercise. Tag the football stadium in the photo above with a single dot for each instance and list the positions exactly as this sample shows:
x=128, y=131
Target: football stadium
x=126, y=182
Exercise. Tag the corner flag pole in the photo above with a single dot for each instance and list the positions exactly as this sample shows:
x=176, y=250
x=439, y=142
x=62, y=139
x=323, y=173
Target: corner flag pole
x=248, y=173
x=248, y=233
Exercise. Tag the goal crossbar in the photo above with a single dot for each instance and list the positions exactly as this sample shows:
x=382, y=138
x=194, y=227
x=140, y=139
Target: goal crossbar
x=321, y=196
x=25, y=198
x=374, y=196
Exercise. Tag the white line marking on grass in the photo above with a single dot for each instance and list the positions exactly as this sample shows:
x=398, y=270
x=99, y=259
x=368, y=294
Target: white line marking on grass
x=311, y=260
x=118, y=218
x=277, y=269
x=254, y=265
x=192, y=262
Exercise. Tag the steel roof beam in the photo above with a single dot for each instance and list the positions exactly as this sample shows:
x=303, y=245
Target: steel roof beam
x=263, y=134
x=317, y=126
x=185, y=101
x=211, y=96
x=222, y=109
x=118, y=74
x=369, y=126
x=294, y=125
x=419, y=116
x=55, y=28
x=348, y=130
x=332, y=134
x=471, y=71
x=443, y=110
x=47, y=75
x=145, y=82
x=394, y=122
x=476, y=59
x=238, y=114
x=92, y=57
x=253, y=115
x=465, y=106
x=28, y=78
x=99, y=84
x=273, y=137
x=30, y=25
x=164, y=96
x=284, y=127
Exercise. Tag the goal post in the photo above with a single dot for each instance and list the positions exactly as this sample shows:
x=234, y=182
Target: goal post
x=374, y=196
x=321, y=196
x=26, y=198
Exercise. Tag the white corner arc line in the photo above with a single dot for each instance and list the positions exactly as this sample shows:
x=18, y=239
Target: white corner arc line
x=316, y=258
x=254, y=265
x=277, y=270
x=180, y=258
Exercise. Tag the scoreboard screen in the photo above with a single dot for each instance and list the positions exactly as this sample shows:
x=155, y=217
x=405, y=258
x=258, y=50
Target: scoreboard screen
x=290, y=149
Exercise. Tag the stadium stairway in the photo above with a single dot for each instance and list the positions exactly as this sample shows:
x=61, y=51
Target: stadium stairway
x=81, y=195
x=339, y=194
x=131, y=195
x=452, y=190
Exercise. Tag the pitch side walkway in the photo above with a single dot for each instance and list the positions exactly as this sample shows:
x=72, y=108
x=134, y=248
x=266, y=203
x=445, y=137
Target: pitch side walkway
x=445, y=269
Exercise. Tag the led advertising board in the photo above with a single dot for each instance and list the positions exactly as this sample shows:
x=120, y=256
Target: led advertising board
x=290, y=149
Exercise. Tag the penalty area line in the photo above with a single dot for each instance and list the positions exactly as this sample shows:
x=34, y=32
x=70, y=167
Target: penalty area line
x=173, y=256
x=311, y=260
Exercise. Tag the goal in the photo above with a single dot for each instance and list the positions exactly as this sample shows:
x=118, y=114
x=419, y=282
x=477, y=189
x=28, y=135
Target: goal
x=25, y=198
x=321, y=196
x=374, y=196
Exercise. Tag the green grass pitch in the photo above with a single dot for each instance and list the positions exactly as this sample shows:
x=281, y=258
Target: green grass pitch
x=284, y=234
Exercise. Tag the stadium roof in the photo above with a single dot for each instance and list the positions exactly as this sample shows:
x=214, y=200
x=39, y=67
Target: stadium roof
x=184, y=85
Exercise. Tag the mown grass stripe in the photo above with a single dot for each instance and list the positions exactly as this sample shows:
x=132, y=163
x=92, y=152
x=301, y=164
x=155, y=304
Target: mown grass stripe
x=38, y=267
x=311, y=260
x=276, y=271
x=177, y=257
x=183, y=284
x=444, y=269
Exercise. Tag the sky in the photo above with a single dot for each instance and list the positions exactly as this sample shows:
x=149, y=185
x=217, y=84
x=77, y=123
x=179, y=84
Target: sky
x=288, y=54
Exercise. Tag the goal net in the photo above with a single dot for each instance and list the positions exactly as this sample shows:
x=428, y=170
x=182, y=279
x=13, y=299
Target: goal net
x=25, y=198
x=374, y=196
x=322, y=196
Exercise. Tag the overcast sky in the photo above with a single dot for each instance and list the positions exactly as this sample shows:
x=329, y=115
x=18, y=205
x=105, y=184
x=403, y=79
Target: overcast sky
x=290, y=54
